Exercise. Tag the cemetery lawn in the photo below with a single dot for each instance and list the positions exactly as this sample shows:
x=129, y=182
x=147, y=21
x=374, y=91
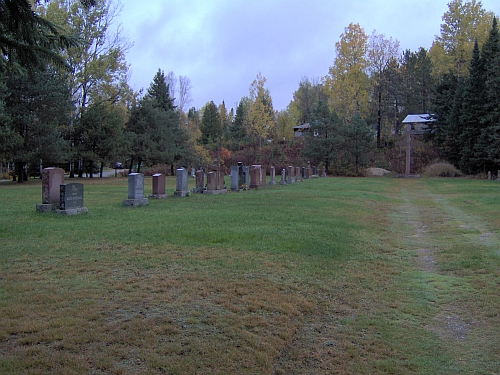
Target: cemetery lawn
x=325, y=276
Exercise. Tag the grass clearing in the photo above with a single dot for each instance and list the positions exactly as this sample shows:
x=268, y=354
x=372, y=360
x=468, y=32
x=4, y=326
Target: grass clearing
x=325, y=276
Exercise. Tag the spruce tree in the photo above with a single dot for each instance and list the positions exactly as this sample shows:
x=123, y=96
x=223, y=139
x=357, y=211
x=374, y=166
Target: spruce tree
x=211, y=128
x=472, y=152
x=237, y=129
x=491, y=56
x=158, y=91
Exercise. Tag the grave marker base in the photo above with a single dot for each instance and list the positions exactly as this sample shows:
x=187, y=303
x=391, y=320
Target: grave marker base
x=181, y=194
x=46, y=207
x=135, y=202
x=72, y=211
x=158, y=196
x=220, y=191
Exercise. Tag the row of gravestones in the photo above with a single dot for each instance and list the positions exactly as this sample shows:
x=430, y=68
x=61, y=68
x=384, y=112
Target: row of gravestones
x=67, y=198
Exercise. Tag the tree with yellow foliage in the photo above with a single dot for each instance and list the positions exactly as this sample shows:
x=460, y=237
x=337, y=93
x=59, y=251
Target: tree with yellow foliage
x=261, y=113
x=347, y=85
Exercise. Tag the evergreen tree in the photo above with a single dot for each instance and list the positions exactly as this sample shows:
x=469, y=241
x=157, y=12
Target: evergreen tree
x=491, y=57
x=357, y=142
x=211, y=127
x=472, y=156
x=323, y=139
x=153, y=130
x=158, y=91
x=446, y=106
x=238, y=127
x=101, y=132
x=28, y=41
x=38, y=108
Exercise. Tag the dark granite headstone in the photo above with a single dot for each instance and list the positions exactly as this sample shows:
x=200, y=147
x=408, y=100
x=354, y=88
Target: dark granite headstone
x=71, y=199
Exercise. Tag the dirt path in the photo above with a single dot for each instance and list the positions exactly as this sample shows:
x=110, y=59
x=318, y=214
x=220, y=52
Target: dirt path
x=432, y=228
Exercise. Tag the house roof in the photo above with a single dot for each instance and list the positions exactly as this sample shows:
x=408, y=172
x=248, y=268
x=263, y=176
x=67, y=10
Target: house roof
x=303, y=126
x=425, y=117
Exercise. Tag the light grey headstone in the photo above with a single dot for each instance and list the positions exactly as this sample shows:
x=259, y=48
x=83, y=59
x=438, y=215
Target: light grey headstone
x=181, y=183
x=135, y=186
x=235, y=178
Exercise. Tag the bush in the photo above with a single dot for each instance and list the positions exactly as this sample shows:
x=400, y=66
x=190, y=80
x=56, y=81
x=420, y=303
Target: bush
x=157, y=168
x=442, y=170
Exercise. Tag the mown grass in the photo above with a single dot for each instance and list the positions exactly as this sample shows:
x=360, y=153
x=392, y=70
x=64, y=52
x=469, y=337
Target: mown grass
x=316, y=277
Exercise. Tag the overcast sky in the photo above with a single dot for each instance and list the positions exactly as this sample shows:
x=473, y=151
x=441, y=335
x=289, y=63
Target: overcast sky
x=221, y=45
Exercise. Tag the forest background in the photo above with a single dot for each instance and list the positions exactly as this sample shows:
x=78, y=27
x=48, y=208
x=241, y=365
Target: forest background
x=65, y=101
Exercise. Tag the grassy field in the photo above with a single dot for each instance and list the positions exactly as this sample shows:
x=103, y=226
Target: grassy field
x=326, y=276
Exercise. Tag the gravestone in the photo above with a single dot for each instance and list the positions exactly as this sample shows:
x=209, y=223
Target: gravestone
x=272, y=178
x=315, y=171
x=215, y=180
x=291, y=175
x=235, y=178
x=256, y=175
x=71, y=199
x=245, y=176
x=323, y=173
x=159, y=184
x=283, y=177
x=297, y=174
x=308, y=170
x=200, y=182
x=135, y=191
x=303, y=172
x=181, y=183
x=52, y=178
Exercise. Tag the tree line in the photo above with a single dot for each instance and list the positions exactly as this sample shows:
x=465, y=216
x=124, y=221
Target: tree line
x=65, y=100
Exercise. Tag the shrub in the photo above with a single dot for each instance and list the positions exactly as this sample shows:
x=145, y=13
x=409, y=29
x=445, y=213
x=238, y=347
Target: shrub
x=157, y=168
x=442, y=170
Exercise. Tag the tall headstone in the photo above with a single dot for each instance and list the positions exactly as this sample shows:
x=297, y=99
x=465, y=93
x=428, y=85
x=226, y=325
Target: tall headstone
x=200, y=182
x=52, y=178
x=246, y=175
x=135, y=191
x=181, y=183
x=315, y=171
x=256, y=176
x=272, y=177
x=291, y=176
x=303, y=172
x=159, y=185
x=308, y=170
x=215, y=180
x=283, y=177
x=71, y=199
x=297, y=174
x=235, y=178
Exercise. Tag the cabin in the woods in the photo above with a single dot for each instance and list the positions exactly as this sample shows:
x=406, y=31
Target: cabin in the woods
x=418, y=124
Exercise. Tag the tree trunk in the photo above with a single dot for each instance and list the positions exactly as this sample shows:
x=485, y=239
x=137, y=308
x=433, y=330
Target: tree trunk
x=131, y=165
x=20, y=172
x=379, y=117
